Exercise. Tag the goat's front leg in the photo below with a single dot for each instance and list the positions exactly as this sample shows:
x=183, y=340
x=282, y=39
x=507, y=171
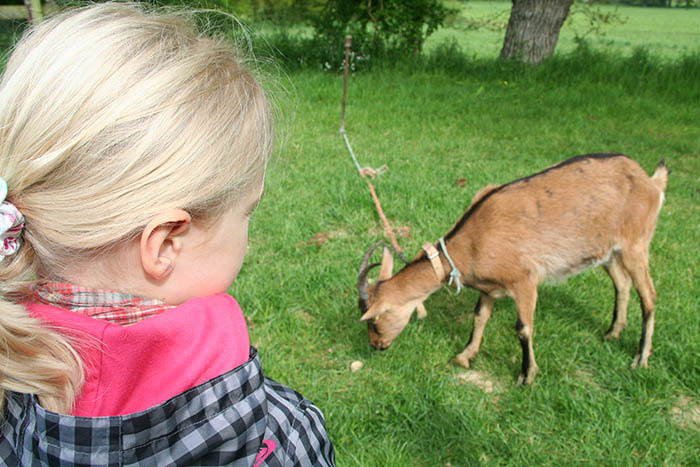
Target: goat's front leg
x=525, y=295
x=482, y=313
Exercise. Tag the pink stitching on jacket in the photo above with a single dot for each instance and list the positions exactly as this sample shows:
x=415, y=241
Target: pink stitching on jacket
x=265, y=451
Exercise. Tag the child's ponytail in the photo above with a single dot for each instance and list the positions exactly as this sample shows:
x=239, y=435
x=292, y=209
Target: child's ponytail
x=34, y=359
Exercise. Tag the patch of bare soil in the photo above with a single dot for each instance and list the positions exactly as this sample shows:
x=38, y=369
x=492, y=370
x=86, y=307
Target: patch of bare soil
x=401, y=231
x=322, y=237
x=686, y=413
x=588, y=378
x=304, y=315
x=479, y=379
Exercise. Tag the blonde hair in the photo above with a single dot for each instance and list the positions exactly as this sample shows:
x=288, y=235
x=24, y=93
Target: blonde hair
x=110, y=114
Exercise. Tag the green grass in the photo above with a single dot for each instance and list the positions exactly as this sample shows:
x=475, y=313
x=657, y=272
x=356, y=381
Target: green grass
x=486, y=123
x=667, y=32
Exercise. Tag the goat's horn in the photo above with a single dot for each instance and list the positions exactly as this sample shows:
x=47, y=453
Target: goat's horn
x=362, y=282
x=364, y=270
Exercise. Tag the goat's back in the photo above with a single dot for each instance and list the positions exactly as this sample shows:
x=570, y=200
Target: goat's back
x=562, y=220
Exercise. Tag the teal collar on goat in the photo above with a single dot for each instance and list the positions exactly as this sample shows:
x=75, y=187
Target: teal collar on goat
x=455, y=275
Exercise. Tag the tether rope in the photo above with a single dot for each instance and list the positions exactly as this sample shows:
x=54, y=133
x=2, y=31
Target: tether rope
x=365, y=171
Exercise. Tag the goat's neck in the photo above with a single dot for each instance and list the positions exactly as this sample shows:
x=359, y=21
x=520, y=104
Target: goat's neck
x=417, y=280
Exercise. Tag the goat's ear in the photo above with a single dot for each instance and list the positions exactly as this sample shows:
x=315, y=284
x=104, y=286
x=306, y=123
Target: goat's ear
x=387, y=264
x=373, y=312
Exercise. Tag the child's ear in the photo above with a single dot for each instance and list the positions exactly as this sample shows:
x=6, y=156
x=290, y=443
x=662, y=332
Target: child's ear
x=161, y=242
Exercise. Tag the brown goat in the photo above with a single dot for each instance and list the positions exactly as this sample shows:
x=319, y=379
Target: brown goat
x=595, y=209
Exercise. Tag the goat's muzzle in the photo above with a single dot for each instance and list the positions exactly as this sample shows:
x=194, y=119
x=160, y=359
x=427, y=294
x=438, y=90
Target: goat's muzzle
x=381, y=346
x=374, y=339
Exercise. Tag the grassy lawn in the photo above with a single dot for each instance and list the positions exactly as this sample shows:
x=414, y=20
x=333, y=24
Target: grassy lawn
x=669, y=32
x=409, y=405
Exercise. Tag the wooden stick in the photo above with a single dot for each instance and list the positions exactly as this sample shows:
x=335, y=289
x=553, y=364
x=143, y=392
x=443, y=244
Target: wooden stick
x=348, y=43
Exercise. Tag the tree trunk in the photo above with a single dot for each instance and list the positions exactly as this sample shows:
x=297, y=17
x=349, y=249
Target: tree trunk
x=11, y=12
x=34, y=11
x=533, y=29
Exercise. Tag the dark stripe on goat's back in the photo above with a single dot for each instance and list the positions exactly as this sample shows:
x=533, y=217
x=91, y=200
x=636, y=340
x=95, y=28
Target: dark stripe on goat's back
x=571, y=160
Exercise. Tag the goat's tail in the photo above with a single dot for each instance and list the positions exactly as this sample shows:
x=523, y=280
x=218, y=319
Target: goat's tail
x=660, y=177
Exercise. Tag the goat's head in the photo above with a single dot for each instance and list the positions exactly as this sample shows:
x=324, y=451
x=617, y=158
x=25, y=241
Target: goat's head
x=384, y=309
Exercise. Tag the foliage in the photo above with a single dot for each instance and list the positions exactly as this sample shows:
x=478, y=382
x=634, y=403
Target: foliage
x=295, y=51
x=281, y=12
x=595, y=19
x=382, y=25
x=278, y=11
x=378, y=27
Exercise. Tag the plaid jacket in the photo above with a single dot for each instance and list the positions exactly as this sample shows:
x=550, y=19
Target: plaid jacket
x=240, y=418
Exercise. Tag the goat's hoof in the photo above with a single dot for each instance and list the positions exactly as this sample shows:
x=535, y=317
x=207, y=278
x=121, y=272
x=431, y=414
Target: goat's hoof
x=612, y=335
x=524, y=381
x=462, y=361
x=527, y=379
x=640, y=362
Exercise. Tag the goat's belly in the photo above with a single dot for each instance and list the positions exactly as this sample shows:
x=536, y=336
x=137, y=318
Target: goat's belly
x=559, y=267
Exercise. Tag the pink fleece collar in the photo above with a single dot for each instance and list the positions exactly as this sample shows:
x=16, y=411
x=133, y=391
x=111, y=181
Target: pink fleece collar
x=133, y=368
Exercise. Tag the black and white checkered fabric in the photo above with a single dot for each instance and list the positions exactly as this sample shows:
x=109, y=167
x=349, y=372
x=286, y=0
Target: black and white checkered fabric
x=225, y=421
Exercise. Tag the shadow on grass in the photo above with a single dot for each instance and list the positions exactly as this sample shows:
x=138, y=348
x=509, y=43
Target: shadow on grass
x=566, y=318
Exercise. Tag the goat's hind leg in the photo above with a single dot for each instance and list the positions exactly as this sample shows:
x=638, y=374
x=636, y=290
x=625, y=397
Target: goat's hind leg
x=622, y=282
x=482, y=313
x=637, y=264
x=525, y=296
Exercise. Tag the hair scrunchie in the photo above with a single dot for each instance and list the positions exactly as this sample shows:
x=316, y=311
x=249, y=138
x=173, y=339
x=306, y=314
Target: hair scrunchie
x=11, y=224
